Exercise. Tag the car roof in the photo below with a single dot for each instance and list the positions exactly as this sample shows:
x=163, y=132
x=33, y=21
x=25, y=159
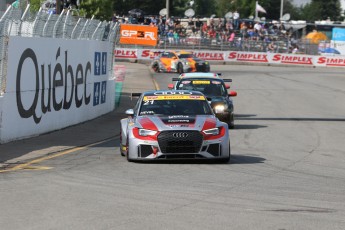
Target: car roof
x=199, y=74
x=171, y=92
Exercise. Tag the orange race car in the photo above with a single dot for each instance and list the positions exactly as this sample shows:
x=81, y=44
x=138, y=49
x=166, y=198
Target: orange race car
x=180, y=62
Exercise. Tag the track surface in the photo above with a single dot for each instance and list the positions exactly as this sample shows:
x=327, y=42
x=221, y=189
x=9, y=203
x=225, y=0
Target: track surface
x=287, y=169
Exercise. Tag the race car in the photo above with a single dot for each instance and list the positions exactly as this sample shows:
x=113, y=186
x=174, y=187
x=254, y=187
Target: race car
x=173, y=125
x=214, y=88
x=180, y=62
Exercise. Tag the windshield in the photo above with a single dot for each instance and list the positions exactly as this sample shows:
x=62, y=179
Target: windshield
x=214, y=87
x=157, y=105
x=186, y=56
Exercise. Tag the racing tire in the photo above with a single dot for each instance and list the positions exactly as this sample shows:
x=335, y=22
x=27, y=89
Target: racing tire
x=226, y=160
x=155, y=67
x=231, y=121
x=180, y=68
x=127, y=157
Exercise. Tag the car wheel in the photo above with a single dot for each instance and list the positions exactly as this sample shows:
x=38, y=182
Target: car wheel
x=155, y=67
x=127, y=155
x=231, y=122
x=179, y=68
x=128, y=159
x=226, y=160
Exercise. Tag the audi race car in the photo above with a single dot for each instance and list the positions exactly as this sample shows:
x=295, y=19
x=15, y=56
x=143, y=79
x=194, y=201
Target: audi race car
x=175, y=124
x=180, y=62
x=215, y=90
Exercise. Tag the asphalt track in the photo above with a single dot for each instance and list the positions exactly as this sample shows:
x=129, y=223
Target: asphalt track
x=287, y=168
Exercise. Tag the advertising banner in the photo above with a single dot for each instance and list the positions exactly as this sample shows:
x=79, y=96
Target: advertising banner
x=64, y=83
x=242, y=57
x=138, y=35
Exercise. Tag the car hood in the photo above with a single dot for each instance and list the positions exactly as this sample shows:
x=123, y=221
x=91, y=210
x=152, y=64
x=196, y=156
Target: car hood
x=177, y=122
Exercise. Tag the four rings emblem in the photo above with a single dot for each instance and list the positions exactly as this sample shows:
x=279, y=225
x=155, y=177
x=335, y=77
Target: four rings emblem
x=180, y=135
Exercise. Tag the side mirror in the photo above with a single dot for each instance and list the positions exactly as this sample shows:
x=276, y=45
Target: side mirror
x=170, y=86
x=227, y=86
x=233, y=94
x=130, y=112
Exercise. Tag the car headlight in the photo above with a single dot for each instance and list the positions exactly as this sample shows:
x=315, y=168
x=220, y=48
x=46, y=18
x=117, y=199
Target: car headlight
x=220, y=108
x=147, y=132
x=186, y=63
x=214, y=131
x=206, y=63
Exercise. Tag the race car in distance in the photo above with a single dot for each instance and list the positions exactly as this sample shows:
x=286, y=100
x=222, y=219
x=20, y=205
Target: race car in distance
x=180, y=62
x=215, y=90
x=173, y=124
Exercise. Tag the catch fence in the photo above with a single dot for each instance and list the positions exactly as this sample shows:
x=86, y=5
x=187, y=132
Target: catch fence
x=22, y=21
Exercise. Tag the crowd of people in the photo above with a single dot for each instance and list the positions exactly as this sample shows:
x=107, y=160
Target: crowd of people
x=236, y=33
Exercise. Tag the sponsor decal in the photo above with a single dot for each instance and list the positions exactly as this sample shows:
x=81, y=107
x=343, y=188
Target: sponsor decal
x=174, y=97
x=125, y=54
x=100, y=63
x=292, y=59
x=99, y=93
x=103, y=92
x=250, y=57
x=178, y=119
x=96, y=93
x=72, y=79
x=211, y=56
x=331, y=61
x=172, y=93
x=201, y=82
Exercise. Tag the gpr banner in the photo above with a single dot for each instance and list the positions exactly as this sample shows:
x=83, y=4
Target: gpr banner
x=241, y=57
x=55, y=87
x=138, y=34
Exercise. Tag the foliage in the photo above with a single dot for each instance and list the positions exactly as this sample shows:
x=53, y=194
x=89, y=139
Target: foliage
x=104, y=9
x=100, y=9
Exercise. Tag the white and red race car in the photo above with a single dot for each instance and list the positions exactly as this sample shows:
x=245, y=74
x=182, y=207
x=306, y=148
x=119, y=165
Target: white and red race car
x=174, y=124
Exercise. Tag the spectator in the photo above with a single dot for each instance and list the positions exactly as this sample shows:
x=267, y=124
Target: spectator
x=295, y=49
x=176, y=37
x=170, y=36
x=271, y=47
x=182, y=36
x=236, y=17
x=198, y=24
x=231, y=38
x=154, y=20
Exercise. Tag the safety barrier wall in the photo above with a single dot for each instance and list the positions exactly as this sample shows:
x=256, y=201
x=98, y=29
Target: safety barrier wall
x=240, y=57
x=55, y=71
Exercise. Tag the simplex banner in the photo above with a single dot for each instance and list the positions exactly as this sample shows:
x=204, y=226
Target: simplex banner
x=241, y=57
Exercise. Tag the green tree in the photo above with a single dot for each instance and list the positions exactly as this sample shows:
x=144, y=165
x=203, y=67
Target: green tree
x=246, y=8
x=100, y=9
x=205, y=8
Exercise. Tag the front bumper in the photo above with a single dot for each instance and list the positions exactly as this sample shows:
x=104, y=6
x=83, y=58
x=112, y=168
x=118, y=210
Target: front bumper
x=170, y=148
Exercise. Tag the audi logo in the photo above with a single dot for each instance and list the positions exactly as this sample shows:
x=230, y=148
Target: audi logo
x=180, y=135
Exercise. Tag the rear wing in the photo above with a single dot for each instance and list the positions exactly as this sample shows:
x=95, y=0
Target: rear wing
x=175, y=79
x=227, y=80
